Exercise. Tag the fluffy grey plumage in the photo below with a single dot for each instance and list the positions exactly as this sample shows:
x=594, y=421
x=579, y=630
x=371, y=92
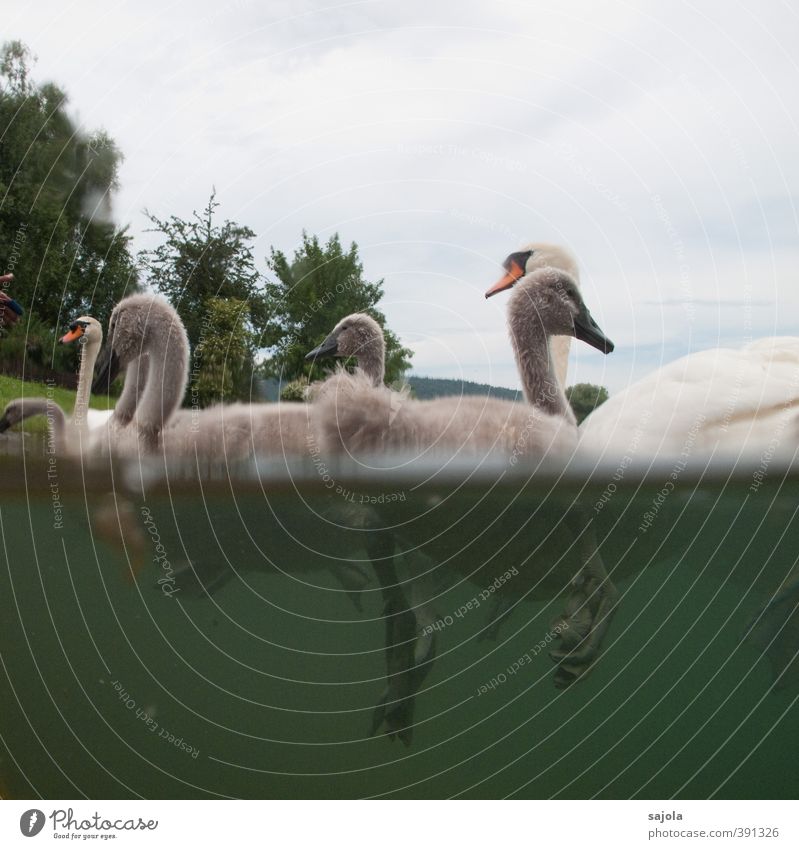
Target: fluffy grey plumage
x=353, y=416
x=237, y=431
x=226, y=433
x=543, y=304
x=146, y=338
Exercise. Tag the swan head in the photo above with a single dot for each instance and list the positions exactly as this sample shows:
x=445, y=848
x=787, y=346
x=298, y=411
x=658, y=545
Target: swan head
x=20, y=409
x=84, y=330
x=134, y=321
x=530, y=258
x=11, y=415
x=357, y=335
x=553, y=298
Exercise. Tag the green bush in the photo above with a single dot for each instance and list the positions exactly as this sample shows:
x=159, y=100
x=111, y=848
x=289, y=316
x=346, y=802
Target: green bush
x=31, y=347
x=585, y=398
x=222, y=361
x=295, y=391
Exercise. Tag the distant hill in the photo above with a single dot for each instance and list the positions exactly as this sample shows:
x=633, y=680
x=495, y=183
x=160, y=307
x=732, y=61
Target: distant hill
x=435, y=387
x=423, y=387
x=583, y=397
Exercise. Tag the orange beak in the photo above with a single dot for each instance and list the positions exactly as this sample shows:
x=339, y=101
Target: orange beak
x=72, y=335
x=514, y=273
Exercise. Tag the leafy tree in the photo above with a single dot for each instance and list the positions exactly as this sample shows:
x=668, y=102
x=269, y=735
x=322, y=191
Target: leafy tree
x=584, y=398
x=56, y=187
x=29, y=351
x=321, y=285
x=221, y=362
x=201, y=260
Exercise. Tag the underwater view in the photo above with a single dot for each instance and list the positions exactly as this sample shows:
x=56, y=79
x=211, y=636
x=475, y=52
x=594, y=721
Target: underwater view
x=261, y=632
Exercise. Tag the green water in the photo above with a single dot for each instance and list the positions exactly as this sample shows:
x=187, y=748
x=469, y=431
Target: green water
x=270, y=682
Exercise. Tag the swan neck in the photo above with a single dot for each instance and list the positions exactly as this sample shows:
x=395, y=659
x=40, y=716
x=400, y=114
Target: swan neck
x=373, y=364
x=56, y=421
x=560, y=347
x=88, y=357
x=536, y=362
x=165, y=385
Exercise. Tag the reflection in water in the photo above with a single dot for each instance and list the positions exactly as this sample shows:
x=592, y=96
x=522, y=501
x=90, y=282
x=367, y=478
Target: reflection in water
x=278, y=629
x=775, y=632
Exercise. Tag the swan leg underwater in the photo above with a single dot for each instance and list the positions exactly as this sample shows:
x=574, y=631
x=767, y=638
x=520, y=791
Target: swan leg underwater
x=589, y=607
x=737, y=403
x=353, y=415
x=410, y=652
x=591, y=603
x=774, y=631
x=144, y=331
x=203, y=578
x=409, y=649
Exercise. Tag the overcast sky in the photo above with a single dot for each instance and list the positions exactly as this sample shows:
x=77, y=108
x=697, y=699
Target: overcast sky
x=657, y=140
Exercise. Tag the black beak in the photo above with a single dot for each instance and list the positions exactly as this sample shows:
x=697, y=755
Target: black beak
x=107, y=371
x=328, y=348
x=587, y=330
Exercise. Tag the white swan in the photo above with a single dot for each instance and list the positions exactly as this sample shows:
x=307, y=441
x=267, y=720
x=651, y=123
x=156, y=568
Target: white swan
x=68, y=436
x=735, y=403
x=530, y=258
x=591, y=603
x=739, y=403
x=88, y=333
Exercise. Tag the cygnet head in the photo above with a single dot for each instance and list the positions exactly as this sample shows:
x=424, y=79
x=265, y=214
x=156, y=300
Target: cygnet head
x=357, y=335
x=554, y=300
x=13, y=414
x=529, y=259
x=83, y=330
x=137, y=324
